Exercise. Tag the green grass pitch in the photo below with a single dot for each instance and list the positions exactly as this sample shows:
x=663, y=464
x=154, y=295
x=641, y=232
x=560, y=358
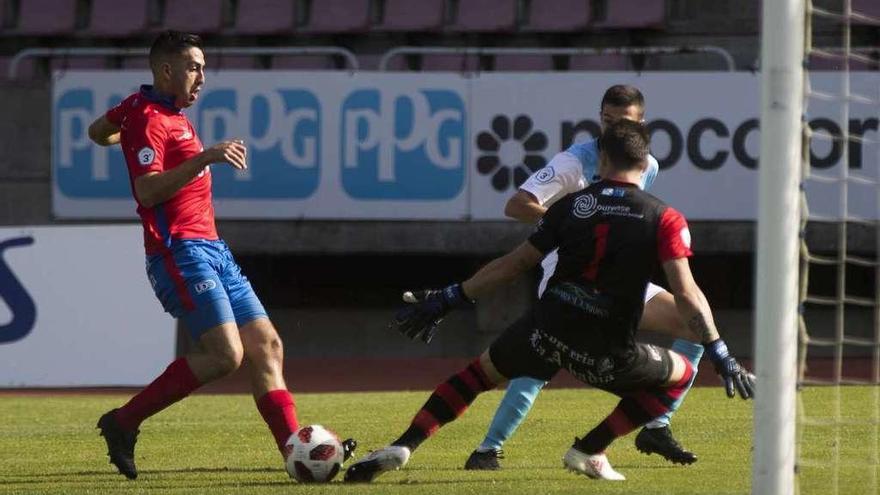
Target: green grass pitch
x=218, y=444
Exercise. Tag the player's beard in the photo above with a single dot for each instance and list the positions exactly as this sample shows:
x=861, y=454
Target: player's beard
x=189, y=97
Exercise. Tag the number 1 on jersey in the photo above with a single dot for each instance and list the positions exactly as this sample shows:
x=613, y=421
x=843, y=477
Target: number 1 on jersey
x=600, y=236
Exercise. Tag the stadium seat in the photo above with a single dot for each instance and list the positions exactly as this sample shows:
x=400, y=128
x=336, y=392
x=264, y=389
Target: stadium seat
x=303, y=62
x=115, y=18
x=558, y=15
x=204, y=16
x=598, y=62
x=485, y=16
x=451, y=62
x=263, y=17
x=524, y=62
x=33, y=18
x=633, y=14
x=407, y=15
x=336, y=16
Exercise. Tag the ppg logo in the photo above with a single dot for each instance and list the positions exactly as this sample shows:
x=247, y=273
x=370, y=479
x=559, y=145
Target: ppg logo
x=282, y=131
x=83, y=170
x=403, y=146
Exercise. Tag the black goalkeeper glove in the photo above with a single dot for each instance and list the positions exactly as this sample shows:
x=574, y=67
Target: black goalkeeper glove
x=736, y=378
x=426, y=309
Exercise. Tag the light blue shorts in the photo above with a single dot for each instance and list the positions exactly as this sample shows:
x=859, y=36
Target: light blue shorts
x=199, y=282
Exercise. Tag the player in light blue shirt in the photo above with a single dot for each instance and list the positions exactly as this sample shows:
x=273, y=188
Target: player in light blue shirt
x=570, y=171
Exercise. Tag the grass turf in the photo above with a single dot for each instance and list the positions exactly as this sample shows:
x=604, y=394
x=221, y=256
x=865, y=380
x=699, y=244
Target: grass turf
x=218, y=444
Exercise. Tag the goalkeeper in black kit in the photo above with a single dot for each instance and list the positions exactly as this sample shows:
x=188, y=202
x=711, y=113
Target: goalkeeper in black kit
x=611, y=237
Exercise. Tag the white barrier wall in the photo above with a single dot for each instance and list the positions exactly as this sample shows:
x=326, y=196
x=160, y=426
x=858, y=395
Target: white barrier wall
x=325, y=145
x=76, y=308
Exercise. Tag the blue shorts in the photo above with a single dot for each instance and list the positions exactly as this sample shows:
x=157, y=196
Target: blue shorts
x=199, y=282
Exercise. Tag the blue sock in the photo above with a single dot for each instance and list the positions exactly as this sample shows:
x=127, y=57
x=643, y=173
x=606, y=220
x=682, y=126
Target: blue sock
x=693, y=352
x=517, y=401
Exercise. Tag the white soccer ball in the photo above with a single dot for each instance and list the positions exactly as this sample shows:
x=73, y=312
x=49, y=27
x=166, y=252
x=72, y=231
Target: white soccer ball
x=314, y=454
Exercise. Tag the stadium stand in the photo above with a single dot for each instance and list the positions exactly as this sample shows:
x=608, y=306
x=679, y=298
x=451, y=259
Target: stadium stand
x=263, y=17
x=633, y=14
x=557, y=16
x=303, y=62
x=450, y=62
x=523, y=62
x=202, y=17
x=28, y=68
x=598, y=62
x=372, y=61
x=862, y=59
x=406, y=15
x=78, y=63
x=335, y=16
x=485, y=16
x=233, y=62
x=139, y=63
x=869, y=8
x=112, y=18
x=32, y=18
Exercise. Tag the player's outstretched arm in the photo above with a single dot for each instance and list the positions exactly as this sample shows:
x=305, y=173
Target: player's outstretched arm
x=562, y=175
x=103, y=132
x=158, y=187
x=426, y=308
x=695, y=311
x=502, y=270
x=523, y=206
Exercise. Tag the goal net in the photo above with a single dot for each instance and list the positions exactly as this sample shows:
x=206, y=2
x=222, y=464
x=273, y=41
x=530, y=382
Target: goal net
x=818, y=270
x=838, y=404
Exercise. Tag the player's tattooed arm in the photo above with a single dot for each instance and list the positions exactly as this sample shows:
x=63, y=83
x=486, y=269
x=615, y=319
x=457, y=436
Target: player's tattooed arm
x=701, y=328
x=693, y=308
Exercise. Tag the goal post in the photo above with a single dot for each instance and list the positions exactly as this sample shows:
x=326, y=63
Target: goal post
x=782, y=81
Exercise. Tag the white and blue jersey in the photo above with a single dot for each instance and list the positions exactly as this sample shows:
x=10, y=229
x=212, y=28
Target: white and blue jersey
x=570, y=171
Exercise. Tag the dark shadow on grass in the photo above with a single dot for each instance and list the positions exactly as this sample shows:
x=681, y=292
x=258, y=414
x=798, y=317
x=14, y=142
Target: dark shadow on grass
x=143, y=472
x=224, y=469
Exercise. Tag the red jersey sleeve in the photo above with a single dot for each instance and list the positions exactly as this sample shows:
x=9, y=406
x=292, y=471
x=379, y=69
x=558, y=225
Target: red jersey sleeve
x=673, y=236
x=145, y=144
x=115, y=114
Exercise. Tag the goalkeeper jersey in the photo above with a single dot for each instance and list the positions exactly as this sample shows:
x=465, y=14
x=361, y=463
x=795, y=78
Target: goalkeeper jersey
x=611, y=237
x=570, y=171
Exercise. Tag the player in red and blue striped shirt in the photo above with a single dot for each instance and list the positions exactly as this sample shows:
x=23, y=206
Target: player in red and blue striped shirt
x=191, y=269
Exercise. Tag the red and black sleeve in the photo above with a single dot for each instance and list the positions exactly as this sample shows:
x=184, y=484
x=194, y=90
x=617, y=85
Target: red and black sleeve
x=673, y=236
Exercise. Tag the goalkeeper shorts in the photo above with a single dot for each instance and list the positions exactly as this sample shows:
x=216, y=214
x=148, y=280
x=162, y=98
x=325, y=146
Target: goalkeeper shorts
x=526, y=350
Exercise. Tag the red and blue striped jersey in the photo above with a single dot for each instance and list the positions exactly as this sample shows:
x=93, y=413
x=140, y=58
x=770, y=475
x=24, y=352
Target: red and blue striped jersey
x=156, y=137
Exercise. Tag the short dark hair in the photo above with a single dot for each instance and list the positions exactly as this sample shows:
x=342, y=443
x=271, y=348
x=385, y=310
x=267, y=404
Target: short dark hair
x=626, y=144
x=623, y=95
x=172, y=43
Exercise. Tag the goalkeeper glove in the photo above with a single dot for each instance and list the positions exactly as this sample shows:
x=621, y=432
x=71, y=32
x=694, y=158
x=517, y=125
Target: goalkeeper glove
x=426, y=310
x=736, y=378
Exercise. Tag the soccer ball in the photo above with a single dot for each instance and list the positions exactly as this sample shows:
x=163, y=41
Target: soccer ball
x=314, y=454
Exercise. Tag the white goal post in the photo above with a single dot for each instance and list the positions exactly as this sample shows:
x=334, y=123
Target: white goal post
x=782, y=81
